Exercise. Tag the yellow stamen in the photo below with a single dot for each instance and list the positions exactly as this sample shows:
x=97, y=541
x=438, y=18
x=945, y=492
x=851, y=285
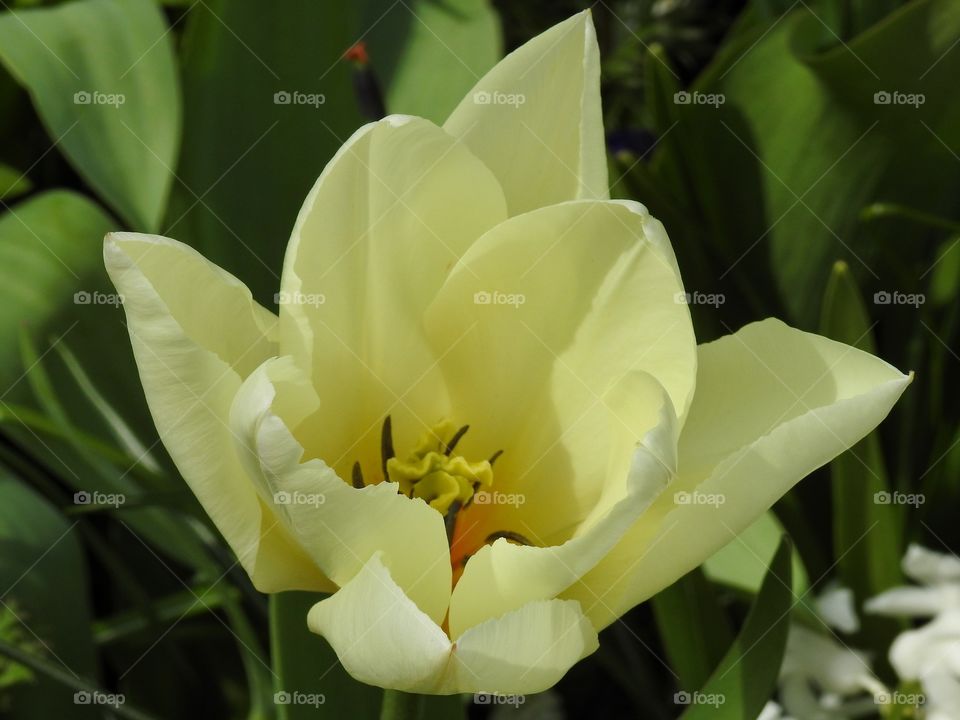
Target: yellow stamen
x=439, y=479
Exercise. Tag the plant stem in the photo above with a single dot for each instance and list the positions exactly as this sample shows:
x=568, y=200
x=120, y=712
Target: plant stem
x=400, y=705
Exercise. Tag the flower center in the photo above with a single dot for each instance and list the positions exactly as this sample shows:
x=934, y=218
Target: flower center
x=447, y=482
x=433, y=473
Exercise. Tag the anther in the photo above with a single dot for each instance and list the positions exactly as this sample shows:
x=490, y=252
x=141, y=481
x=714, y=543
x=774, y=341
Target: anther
x=450, y=520
x=358, y=476
x=507, y=535
x=386, y=444
x=455, y=439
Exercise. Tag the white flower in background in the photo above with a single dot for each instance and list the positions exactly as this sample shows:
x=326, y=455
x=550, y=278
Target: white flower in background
x=820, y=677
x=929, y=654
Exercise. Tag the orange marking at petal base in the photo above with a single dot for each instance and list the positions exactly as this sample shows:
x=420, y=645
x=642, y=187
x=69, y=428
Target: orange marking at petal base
x=357, y=53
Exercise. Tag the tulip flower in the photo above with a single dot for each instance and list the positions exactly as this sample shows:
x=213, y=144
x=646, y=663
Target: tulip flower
x=480, y=418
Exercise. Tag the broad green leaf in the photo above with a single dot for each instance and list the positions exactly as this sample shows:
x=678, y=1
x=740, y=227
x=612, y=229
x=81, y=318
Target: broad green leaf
x=692, y=626
x=742, y=563
x=101, y=74
x=49, y=250
x=12, y=183
x=793, y=120
x=244, y=175
x=310, y=682
x=428, y=54
x=56, y=288
x=41, y=566
x=746, y=677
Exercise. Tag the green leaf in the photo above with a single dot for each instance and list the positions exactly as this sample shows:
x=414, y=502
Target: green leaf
x=239, y=192
x=13, y=183
x=168, y=533
x=41, y=565
x=451, y=42
x=243, y=175
x=867, y=525
x=693, y=627
x=798, y=126
x=945, y=276
x=745, y=679
x=49, y=249
x=136, y=451
x=101, y=74
x=742, y=563
x=305, y=663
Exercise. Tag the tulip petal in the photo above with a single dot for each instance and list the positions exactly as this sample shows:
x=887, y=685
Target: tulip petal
x=341, y=527
x=772, y=405
x=383, y=639
x=535, y=119
x=196, y=334
x=376, y=237
x=642, y=458
x=539, y=321
x=526, y=651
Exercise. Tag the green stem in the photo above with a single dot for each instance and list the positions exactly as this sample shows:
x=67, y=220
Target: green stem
x=400, y=705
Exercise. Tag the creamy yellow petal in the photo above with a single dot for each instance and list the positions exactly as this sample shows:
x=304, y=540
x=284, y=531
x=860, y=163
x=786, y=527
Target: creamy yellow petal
x=341, y=527
x=535, y=119
x=383, y=639
x=539, y=321
x=196, y=334
x=772, y=405
x=635, y=434
x=376, y=237
x=526, y=651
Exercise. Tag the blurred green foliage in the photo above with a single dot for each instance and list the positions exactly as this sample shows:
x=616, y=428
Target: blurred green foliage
x=804, y=157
